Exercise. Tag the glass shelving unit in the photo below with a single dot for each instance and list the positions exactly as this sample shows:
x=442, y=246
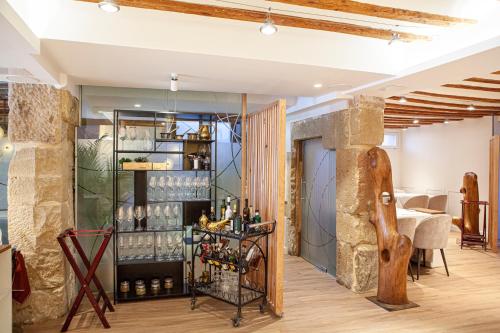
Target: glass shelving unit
x=172, y=193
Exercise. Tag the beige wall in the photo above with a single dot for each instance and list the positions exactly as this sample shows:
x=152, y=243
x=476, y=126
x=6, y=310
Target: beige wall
x=434, y=158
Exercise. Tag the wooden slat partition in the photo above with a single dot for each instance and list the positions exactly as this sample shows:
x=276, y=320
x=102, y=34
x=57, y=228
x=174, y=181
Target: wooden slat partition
x=266, y=186
x=493, y=193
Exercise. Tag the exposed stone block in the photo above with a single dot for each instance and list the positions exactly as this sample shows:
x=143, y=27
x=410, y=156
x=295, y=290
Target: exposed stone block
x=367, y=120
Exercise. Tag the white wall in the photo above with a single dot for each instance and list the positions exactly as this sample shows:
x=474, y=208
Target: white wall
x=434, y=158
x=395, y=157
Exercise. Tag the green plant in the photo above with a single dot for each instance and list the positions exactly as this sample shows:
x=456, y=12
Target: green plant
x=141, y=159
x=124, y=160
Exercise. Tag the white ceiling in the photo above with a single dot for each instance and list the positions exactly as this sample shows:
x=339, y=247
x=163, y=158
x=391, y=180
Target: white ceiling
x=140, y=48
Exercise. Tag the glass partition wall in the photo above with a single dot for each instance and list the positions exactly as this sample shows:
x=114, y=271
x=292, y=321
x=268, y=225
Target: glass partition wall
x=94, y=174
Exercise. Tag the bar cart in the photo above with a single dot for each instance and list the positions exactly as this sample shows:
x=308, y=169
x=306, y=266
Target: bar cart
x=212, y=284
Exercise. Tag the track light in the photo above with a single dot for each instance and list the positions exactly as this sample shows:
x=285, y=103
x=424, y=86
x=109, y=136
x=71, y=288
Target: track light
x=402, y=99
x=174, y=82
x=415, y=121
x=268, y=28
x=109, y=6
x=471, y=108
x=394, y=37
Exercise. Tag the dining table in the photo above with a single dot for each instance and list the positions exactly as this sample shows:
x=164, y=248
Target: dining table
x=432, y=257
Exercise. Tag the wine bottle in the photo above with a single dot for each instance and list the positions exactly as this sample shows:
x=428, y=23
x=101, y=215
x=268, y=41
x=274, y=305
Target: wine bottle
x=237, y=218
x=229, y=214
x=246, y=213
x=257, y=219
x=203, y=221
x=223, y=210
x=212, y=217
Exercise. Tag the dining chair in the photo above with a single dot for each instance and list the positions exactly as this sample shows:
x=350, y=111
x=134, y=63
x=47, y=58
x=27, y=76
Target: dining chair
x=432, y=234
x=418, y=201
x=406, y=226
x=438, y=202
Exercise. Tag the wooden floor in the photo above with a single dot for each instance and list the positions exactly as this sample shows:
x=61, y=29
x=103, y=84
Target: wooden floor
x=467, y=301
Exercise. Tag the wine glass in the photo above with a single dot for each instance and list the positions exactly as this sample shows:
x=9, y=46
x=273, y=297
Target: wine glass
x=139, y=215
x=157, y=213
x=152, y=187
x=120, y=219
x=178, y=245
x=130, y=218
x=187, y=187
x=149, y=246
x=122, y=135
x=159, y=247
x=170, y=188
x=206, y=185
x=121, y=248
x=167, y=211
x=130, y=246
x=161, y=187
x=179, y=184
x=148, y=143
x=170, y=247
x=140, y=247
x=196, y=187
x=176, y=212
x=132, y=133
x=149, y=215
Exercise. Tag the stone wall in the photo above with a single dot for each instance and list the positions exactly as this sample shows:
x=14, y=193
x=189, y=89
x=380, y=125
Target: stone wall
x=351, y=133
x=42, y=123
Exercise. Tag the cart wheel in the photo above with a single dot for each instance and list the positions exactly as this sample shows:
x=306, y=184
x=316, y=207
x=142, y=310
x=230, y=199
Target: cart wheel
x=193, y=304
x=236, y=321
x=262, y=308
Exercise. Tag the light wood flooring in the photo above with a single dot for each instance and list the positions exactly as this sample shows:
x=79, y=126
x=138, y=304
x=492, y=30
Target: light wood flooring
x=467, y=301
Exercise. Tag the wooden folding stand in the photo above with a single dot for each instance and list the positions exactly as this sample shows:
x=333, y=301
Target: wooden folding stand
x=90, y=276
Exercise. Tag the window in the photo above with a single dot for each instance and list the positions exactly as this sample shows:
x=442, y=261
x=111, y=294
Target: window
x=391, y=140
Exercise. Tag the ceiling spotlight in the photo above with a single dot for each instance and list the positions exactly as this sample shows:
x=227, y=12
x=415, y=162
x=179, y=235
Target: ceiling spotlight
x=402, y=99
x=318, y=85
x=137, y=105
x=174, y=82
x=415, y=121
x=471, y=108
x=404, y=129
x=109, y=6
x=446, y=122
x=268, y=28
x=394, y=37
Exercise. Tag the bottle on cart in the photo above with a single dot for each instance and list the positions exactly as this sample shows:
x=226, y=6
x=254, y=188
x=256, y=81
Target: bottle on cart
x=245, y=216
x=257, y=219
x=203, y=220
x=223, y=210
x=212, y=217
x=206, y=163
x=237, y=220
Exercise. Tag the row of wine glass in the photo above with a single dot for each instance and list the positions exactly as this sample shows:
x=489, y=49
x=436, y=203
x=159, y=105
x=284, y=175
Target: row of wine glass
x=149, y=246
x=159, y=217
x=178, y=188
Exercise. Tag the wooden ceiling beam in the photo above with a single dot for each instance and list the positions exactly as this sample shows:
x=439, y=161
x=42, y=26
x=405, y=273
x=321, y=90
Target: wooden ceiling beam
x=362, y=8
x=497, y=72
x=453, y=105
x=482, y=80
x=458, y=97
x=400, y=117
x=431, y=114
x=469, y=87
x=431, y=109
x=240, y=14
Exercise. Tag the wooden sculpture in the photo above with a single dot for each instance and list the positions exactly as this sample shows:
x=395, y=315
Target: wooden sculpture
x=470, y=223
x=394, y=250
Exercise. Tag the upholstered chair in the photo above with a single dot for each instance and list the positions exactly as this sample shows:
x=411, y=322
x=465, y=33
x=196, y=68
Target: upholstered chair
x=438, y=202
x=430, y=234
x=406, y=226
x=419, y=201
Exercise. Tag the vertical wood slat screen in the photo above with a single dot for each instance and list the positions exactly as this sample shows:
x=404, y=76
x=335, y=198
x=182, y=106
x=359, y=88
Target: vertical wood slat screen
x=266, y=186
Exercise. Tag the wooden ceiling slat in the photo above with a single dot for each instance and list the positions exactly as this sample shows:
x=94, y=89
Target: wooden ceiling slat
x=431, y=109
x=458, y=97
x=453, y=105
x=469, y=87
x=482, y=80
x=362, y=8
x=467, y=114
x=497, y=72
x=259, y=17
x=402, y=117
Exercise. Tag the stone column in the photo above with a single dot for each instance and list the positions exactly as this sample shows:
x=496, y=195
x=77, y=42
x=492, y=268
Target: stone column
x=42, y=123
x=351, y=132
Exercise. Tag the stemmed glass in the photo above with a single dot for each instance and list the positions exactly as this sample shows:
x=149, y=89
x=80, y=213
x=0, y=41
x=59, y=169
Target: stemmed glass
x=130, y=218
x=139, y=215
x=157, y=215
x=121, y=248
x=170, y=188
x=161, y=187
x=170, y=247
x=159, y=247
x=178, y=246
x=120, y=218
x=130, y=246
x=148, y=143
x=187, y=187
x=178, y=185
x=131, y=133
x=167, y=211
x=140, y=247
x=196, y=193
x=149, y=246
x=122, y=135
x=152, y=187
x=149, y=215
x=206, y=185
x=176, y=212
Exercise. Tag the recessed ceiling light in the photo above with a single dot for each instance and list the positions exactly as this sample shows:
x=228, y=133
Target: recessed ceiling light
x=109, y=6
x=174, y=82
x=137, y=105
x=404, y=129
x=268, y=28
x=318, y=85
x=415, y=121
x=446, y=122
x=402, y=99
x=471, y=108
